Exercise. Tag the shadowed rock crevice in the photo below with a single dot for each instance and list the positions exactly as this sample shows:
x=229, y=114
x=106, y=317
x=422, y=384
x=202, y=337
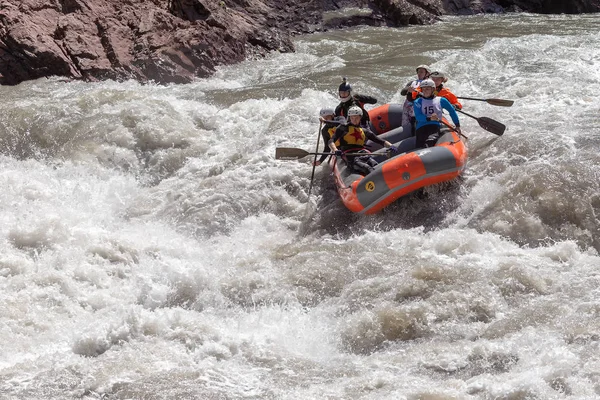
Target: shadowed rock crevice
x=189, y=10
x=70, y=6
x=176, y=41
x=107, y=45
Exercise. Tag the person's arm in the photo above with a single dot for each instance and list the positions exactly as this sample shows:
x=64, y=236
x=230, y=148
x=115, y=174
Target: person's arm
x=325, y=136
x=364, y=99
x=448, y=107
x=374, y=138
x=339, y=133
x=412, y=96
x=406, y=89
x=329, y=124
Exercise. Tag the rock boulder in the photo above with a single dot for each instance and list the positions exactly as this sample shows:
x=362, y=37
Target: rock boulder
x=175, y=41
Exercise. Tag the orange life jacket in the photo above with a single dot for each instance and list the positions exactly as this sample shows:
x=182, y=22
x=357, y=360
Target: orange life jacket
x=445, y=92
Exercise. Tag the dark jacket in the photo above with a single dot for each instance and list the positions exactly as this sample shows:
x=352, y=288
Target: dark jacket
x=357, y=100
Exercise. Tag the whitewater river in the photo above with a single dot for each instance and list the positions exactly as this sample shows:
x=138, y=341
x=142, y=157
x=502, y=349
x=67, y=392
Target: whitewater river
x=151, y=247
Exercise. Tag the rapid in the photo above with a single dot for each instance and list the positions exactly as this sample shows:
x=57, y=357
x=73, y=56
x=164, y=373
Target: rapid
x=151, y=247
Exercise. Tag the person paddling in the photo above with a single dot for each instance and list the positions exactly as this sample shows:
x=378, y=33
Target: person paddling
x=439, y=78
x=326, y=116
x=428, y=114
x=352, y=138
x=411, y=93
x=348, y=99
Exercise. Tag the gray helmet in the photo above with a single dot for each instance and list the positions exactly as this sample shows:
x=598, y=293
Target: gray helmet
x=427, y=83
x=438, y=74
x=326, y=111
x=425, y=67
x=354, y=110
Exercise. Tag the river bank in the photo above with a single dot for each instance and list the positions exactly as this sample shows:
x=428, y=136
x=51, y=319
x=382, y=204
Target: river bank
x=176, y=41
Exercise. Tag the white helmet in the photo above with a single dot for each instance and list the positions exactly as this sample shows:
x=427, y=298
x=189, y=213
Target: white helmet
x=427, y=83
x=425, y=67
x=326, y=111
x=438, y=74
x=354, y=110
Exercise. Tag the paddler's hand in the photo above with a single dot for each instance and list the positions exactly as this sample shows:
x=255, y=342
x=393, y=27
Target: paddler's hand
x=434, y=117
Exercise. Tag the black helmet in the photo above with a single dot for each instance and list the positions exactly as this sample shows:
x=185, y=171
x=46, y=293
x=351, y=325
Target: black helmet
x=344, y=86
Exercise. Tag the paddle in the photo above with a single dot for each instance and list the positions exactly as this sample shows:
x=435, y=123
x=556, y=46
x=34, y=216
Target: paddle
x=291, y=153
x=494, y=102
x=454, y=129
x=312, y=177
x=488, y=124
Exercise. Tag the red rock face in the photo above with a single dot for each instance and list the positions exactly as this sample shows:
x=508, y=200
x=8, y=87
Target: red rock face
x=160, y=40
x=177, y=40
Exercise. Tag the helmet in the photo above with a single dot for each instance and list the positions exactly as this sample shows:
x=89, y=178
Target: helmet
x=438, y=74
x=326, y=111
x=425, y=67
x=354, y=110
x=344, y=86
x=427, y=83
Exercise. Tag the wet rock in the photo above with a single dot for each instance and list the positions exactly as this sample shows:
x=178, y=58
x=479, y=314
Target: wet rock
x=178, y=40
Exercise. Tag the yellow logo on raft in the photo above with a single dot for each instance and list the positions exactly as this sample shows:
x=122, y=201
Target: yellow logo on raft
x=370, y=186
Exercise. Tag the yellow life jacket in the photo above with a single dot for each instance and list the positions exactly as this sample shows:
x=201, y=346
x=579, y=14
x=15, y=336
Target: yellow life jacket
x=331, y=132
x=354, y=138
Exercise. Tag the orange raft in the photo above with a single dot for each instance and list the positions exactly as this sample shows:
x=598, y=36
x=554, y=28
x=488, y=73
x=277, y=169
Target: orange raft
x=402, y=174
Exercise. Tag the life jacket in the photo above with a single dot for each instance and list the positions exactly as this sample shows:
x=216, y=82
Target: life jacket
x=355, y=138
x=451, y=97
x=445, y=92
x=331, y=132
x=430, y=106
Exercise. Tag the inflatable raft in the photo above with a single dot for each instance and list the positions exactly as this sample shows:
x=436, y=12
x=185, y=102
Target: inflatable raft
x=403, y=173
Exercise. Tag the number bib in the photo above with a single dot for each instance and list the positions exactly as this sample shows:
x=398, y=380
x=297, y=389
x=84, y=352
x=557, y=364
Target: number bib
x=432, y=106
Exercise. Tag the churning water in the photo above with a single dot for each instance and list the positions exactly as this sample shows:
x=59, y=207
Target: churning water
x=153, y=248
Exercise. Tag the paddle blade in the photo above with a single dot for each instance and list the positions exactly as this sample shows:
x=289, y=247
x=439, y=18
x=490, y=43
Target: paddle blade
x=500, y=102
x=494, y=102
x=491, y=125
x=290, y=153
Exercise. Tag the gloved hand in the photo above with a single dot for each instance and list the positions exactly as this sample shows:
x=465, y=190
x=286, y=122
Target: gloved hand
x=456, y=107
x=339, y=153
x=394, y=149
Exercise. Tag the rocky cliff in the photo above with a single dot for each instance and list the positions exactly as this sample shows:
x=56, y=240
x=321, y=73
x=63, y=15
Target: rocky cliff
x=178, y=40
